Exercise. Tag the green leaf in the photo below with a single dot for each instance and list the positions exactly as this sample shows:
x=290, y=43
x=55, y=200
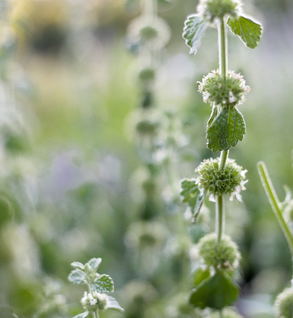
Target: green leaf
x=216, y=292
x=77, y=276
x=225, y=130
x=94, y=263
x=249, y=31
x=77, y=265
x=191, y=195
x=82, y=315
x=193, y=32
x=104, y=284
x=113, y=304
x=200, y=275
x=213, y=115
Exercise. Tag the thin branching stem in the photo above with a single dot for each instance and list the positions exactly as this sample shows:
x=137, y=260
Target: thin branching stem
x=275, y=203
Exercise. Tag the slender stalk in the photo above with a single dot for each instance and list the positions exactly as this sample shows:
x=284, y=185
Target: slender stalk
x=222, y=42
x=275, y=203
x=220, y=212
x=220, y=217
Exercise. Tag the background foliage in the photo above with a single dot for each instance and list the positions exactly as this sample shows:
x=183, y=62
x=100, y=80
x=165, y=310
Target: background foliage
x=71, y=177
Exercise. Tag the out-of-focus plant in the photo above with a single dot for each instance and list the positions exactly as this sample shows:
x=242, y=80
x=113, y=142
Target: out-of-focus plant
x=224, y=90
x=99, y=286
x=284, y=215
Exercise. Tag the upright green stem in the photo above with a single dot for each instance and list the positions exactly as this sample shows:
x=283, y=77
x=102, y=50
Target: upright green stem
x=275, y=203
x=222, y=42
x=220, y=217
x=220, y=211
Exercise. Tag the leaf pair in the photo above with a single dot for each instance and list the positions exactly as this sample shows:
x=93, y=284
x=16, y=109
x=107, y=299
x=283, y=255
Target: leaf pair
x=195, y=26
x=217, y=291
x=192, y=196
x=82, y=274
x=225, y=129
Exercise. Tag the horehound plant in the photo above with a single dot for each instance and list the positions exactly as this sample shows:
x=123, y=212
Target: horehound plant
x=96, y=299
x=284, y=214
x=225, y=91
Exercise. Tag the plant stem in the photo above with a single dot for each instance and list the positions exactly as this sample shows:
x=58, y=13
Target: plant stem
x=275, y=203
x=220, y=212
x=220, y=217
x=222, y=42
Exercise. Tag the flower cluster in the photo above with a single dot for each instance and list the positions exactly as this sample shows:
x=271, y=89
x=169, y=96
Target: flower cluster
x=221, y=255
x=94, y=301
x=155, y=32
x=223, y=91
x=230, y=180
x=284, y=304
x=212, y=9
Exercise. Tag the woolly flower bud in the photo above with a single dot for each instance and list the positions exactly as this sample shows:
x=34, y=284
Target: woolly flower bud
x=155, y=32
x=284, y=304
x=229, y=180
x=216, y=89
x=93, y=301
x=224, y=255
x=212, y=9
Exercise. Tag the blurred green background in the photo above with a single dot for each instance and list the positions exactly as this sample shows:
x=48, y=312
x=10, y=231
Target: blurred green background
x=71, y=174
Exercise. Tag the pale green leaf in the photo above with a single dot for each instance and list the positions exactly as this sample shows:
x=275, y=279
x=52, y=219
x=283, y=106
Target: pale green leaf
x=113, y=304
x=82, y=315
x=94, y=263
x=191, y=195
x=249, y=31
x=200, y=275
x=216, y=292
x=77, y=276
x=77, y=265
x=104, y=284
x=193, y=32
x=226, y=129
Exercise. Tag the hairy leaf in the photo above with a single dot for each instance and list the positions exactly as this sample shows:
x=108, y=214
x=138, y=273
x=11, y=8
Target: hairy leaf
x=226, y=129
x=94, y=263
x=82, y=315
x=113, y=304
x=77, y=276
x=77, y=265
x=249, y=31
x=193, y=32
x=216, y=292
x=104, y=284
x=191, y=195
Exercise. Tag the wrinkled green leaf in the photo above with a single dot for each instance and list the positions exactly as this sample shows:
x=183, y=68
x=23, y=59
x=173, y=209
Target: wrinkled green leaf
x=82, y=315
x=191, y=195
x=226, y=129
x=216, y=292
x=94, y=263
x=200, y=275
x=77, y=276
x=193, y=32
x=249, y=31
x=104, y=284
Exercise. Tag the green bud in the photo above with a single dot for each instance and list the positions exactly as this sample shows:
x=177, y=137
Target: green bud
x=223, y=255
x=213, y=9
x=284, y=304
x=147, y=127
x=219, y=91
x=147, y=75
x=229, y=180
